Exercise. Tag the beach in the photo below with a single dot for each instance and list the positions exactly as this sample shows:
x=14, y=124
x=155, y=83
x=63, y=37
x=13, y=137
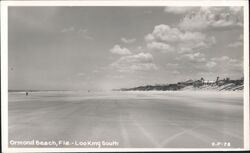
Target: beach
x=132, y=119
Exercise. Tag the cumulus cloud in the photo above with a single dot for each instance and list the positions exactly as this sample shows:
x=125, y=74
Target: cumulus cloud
x=175, y=72
x=81, y=74
x=241, y=37
x=198, y=64
x=167, y=39
x=190, y=63
x=211, y=64
x=128, y=41
x=160, y=46
x=137, y=62
x=179, y=10
x=84, y=33
x=193, y=57
x=95, y=71
x=173, y=68
x=172, y=64
x=212, y=18
x=228, y=65
x=222, y=58
x=166, y=33
x=237, y=43
x=82, y=30
x=70, y=29
x=120, y=51
x=78, y=32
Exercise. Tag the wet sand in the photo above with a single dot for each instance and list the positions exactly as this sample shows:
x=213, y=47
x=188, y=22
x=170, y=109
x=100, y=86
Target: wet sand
x=178, y=119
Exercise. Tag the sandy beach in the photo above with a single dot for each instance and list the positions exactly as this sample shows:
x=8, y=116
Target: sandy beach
x=173, y=119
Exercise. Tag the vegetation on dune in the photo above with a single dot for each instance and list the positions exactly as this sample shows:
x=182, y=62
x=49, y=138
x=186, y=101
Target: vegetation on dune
x=202, y=84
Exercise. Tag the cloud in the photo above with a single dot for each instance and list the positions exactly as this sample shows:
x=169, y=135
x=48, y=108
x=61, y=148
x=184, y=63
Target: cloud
x=171, y=64
x=81, y=74
x=70, y=29
x=179, y=10
x=84, y=33
x=189, y=64
x=137, y=62
x=235, y=44
x=83, y=30
x=166, y=33
x=197, y=64
x=167, y=39
x=73, y=29
x=240, y=37
x=175, y=72
x=193, y=57
x=120, y=51
x=222, y=58
x=95, y=71
x=160, y=46
x=228, y=65
x=212, y=18
x=239, y=42
x=76, y=31
x=128, y=41
x=211, y=64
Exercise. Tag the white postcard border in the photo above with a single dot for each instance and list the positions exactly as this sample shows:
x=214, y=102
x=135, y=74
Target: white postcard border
x=4, y=66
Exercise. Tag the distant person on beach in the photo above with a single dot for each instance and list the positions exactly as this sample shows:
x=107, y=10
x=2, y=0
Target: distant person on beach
x=27, y=93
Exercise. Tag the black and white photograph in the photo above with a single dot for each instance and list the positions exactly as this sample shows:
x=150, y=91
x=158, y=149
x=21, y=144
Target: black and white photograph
x=125, y=76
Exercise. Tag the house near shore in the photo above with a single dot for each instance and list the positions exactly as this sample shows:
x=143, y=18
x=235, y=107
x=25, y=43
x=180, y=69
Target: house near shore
x=209, y=82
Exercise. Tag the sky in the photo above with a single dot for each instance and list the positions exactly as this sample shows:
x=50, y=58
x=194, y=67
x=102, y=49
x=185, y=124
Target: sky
x=103, y=48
